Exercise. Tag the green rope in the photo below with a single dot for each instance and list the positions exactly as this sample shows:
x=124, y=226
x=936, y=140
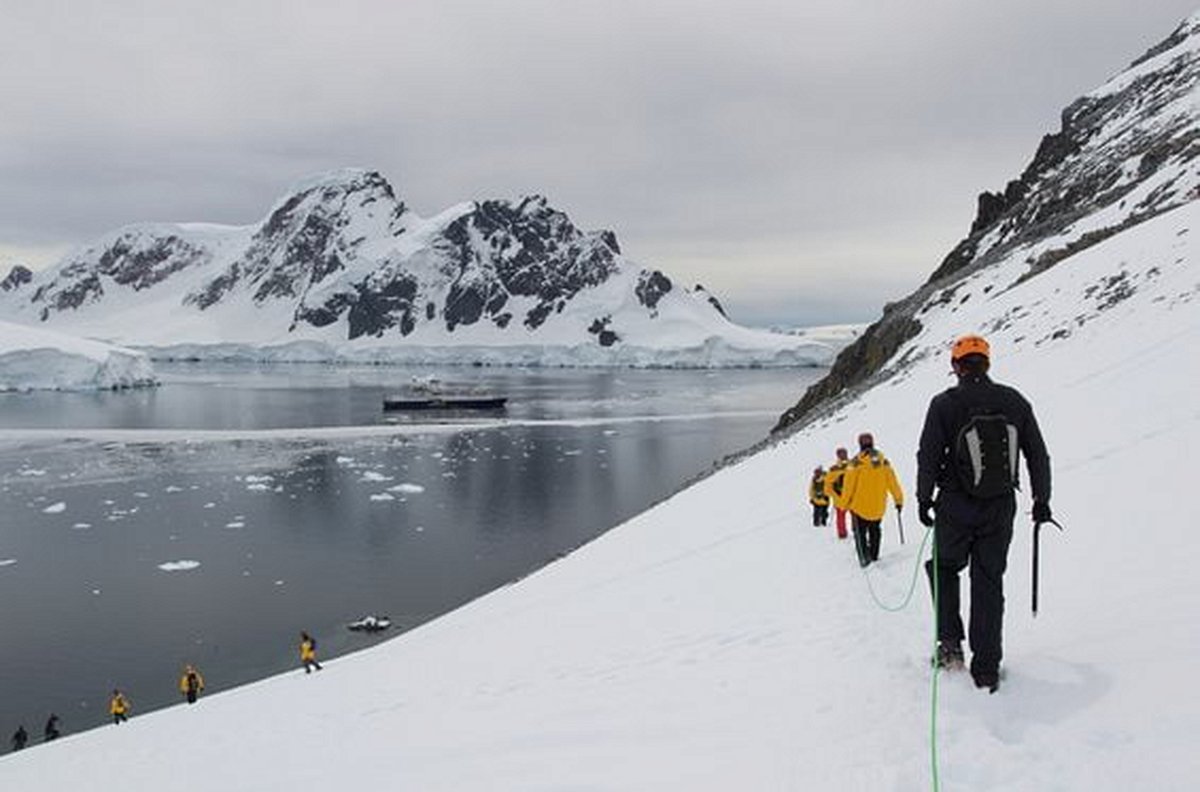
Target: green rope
x=912, y=586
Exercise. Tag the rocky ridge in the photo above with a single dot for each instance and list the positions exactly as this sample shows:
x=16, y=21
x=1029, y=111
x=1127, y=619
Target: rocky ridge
x=1125, y=153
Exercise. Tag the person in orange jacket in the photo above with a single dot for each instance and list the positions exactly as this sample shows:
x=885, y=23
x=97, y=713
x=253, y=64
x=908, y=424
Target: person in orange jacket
x=118, y=707
x=869, y=480
x=308, y=653
x=191, y=683
x=833, y=488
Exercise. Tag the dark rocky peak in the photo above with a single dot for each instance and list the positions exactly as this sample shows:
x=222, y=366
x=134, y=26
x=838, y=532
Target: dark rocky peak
x=336, y=193
x=501, y=249
x=311, y=235
x=1128, y=148
x=1109, y=143
x=1188, y=27
x=17, y=277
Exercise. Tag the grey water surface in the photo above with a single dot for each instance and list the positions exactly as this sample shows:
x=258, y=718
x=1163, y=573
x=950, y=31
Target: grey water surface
x=122, y=557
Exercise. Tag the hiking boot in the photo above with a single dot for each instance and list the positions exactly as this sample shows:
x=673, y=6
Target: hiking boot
x=949, y=655
x=986, y=679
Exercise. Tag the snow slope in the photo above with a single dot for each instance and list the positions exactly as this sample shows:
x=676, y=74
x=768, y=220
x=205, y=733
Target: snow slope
x=718, y=642
x=36, y=359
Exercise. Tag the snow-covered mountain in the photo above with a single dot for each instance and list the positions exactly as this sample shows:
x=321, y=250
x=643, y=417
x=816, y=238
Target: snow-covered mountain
x=342, y=268
x=718, y=642
x=1126, y=153
x=32, y=358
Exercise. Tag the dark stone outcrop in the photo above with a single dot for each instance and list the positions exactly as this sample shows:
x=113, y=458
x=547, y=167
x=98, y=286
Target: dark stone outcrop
x=651, y=287
x=17, y=277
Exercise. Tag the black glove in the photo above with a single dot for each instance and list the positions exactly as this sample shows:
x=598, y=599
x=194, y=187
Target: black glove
x=1041, y=512
x=925, y=513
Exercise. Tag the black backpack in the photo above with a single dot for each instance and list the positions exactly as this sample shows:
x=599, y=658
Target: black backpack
x=986, y=452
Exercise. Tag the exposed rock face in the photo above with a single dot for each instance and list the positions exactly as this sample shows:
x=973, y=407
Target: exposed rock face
x=651, y=287
x=1129, y=148
x=135, y=258
x=500, y=250
x=17, y=277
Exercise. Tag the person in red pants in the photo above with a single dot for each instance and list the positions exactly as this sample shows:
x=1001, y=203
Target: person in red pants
x=833, y=488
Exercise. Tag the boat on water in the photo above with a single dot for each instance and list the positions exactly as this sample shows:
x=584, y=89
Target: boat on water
x=445, y=403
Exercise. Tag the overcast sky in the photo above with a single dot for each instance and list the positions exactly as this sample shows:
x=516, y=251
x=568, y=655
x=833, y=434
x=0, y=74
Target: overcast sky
x=805, y=160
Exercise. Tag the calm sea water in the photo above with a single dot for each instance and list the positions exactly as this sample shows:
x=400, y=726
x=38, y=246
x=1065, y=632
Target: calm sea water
x=122, y=557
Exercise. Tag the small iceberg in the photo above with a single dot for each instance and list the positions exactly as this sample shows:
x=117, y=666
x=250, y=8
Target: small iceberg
x=178, y=566
x=370, y=624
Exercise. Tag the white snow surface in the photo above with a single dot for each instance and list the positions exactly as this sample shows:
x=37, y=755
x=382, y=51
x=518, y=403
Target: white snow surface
x=32, y=358
x=719, y=642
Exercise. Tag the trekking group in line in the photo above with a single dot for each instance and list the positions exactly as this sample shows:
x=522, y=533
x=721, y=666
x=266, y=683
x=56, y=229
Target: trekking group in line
x=191, y=684
x=967, y=476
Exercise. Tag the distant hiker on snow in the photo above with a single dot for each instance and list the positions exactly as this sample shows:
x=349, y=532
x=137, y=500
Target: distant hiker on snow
x=308, y=653
x=191, y=683
x=118, y=707
x=868, y=482
x=20, y=738
x=818, y=497
x=51, y=731
x=833, y=488
x=969, y=452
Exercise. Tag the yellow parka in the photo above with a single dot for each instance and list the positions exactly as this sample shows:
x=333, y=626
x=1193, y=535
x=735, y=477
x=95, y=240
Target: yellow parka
x=817, y=495
x=307, y=652
x=183, y=680
x=869, y=480
x=835, y=478
x=118, y=705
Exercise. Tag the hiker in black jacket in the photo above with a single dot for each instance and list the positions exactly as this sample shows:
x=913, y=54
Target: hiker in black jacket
x=968, y=453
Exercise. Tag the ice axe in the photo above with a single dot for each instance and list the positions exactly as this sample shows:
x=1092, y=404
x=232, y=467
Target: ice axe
x=1037, y=530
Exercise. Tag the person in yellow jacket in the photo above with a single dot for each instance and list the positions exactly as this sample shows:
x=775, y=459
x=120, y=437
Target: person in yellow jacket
x=833, y=488
x=818, y=497
x=118, y=707
x=868, y=482
x=191, y=683
x=308, y=653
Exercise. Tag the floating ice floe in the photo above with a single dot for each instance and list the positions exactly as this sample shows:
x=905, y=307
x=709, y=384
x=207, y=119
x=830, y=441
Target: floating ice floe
x=235, y=524
x=55, y=508
x=371, y=475
x=409, y=488
x=7, y=562
x=81, y=526
x=383, y=496
x=178, y=566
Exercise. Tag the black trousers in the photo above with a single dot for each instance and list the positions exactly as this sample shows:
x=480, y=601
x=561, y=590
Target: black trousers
x=191, y=696
x=820, y=514
x=867, y=535
x=976, y=533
